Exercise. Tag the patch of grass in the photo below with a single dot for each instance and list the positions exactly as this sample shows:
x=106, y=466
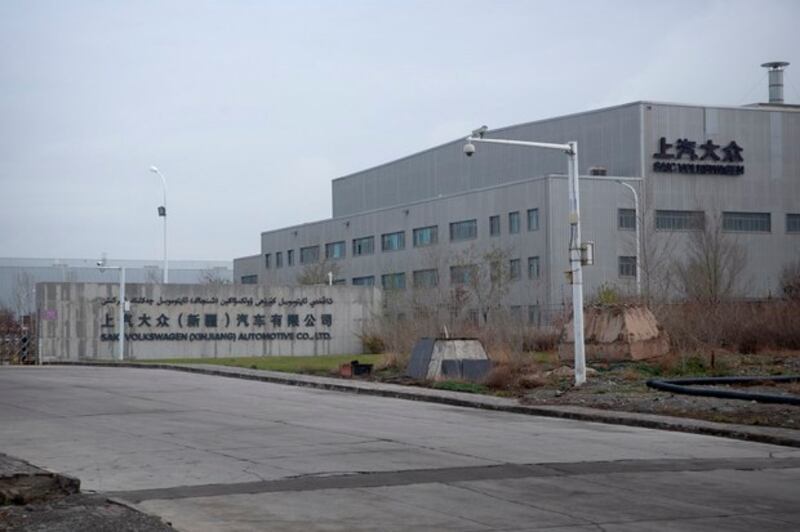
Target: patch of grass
x=457, y=386
x=322, y=364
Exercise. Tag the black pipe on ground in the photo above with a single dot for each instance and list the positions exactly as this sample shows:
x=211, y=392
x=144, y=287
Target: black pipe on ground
x=685, y=386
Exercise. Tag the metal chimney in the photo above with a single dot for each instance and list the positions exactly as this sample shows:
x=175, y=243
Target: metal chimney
x=776, y=80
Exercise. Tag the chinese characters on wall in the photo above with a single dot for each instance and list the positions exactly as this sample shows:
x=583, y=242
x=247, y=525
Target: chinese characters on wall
x=684, y=156
x=145, y=324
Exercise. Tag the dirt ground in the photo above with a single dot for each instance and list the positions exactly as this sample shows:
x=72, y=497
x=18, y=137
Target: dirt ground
x=622, y=387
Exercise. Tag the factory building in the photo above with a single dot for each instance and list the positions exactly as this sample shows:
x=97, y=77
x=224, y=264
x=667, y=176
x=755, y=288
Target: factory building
x=428, y=220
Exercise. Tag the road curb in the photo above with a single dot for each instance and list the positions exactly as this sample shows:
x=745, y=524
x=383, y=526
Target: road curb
x=771, y=435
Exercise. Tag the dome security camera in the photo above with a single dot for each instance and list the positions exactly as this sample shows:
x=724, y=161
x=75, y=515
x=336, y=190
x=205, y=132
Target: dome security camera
x=469, y=149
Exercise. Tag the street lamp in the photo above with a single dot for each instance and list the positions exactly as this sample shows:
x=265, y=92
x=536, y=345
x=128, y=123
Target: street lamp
x=571, y=150
x=162, y=211
x=638, y=239
x=121, y=343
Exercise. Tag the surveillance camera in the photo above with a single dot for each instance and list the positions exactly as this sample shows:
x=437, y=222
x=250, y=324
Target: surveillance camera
x=100, y=263
x=469, y=149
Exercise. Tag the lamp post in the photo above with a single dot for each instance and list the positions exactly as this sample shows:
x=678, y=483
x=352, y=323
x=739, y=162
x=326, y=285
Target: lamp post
x=571, y=150
x=162, y=211
x=121, y=317
x=638, y=239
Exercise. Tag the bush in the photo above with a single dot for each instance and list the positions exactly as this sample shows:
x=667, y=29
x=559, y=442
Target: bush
x=743, y=326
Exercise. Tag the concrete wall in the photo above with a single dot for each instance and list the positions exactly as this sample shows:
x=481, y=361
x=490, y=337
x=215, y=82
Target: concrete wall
x=79, y=320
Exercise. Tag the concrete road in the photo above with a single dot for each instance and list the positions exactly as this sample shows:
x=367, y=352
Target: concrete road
x=213, y=453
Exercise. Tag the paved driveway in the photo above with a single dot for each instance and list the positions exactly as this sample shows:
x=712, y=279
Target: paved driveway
x=213, y=453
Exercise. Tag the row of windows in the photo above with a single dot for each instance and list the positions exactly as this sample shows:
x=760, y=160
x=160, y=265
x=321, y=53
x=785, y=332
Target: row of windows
x=421, y=237
x=672, y=220
x=514, y=222
x=461, y=274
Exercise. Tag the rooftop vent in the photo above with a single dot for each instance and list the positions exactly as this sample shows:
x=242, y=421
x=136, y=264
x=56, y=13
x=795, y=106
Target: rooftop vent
x=776, y=69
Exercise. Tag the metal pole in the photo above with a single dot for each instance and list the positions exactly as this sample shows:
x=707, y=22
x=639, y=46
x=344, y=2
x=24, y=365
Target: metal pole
x=575, y=263
x=164, y=186
x=638, y=238
x=121, y=343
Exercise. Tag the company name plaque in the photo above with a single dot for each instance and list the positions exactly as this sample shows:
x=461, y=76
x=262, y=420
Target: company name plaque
x=173, y=321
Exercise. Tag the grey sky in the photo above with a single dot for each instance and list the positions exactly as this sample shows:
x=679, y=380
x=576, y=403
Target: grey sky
x=250, y=109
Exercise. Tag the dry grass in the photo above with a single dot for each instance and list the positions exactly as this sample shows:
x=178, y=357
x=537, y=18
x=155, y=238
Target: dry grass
x=745, y=327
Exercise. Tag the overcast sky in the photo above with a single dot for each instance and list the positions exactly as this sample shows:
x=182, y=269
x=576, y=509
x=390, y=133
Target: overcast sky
x=250, y=109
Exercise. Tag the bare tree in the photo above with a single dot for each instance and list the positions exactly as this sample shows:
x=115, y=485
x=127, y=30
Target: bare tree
x=714, y=264
x=790, y=281
x=24, y=294
x=214, y=277
x=317, y=273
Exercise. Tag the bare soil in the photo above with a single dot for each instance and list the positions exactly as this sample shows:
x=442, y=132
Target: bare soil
x=622, y=387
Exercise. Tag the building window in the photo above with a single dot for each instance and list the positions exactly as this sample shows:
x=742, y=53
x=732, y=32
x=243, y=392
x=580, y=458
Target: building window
x=309, y=255
x=533, y=219
x=534, y=268
x=334, y=250
x=626, y=219
x=393, y=241
x=426, y=236
x=494, y=225
x=393, y=281
x=680, y=220
x=279, y=259
x=464, y=274
x=369, y=280
x=426, y=278
x=516, y=313
x=466, y=230
x=750, y=222
x=513, y=222
x=249, y=279
x=534, y=315
x=340, y=282
x=793, y=223
x=627, y=267
x=363, y=246
x=514, y=269
x=267, y=260
x=290, y=257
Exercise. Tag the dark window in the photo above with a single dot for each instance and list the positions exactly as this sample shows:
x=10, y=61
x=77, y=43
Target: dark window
x=750, y=222
x=249, y=279
x=680, y=220
x=290, y=257
x=626, y=219
x=266, y=260
x=426, y=236
x=494, y=225
x=627, y=267
x=393, y=241
x=363, y=246
x=340, y=282
x=793, y=223
x=513, y=222
x=466, y=230
x=279, y=259
x=533, y=219
x=335, y=250
x=464, y=274
x=514, y=269
x=393, y=281
x=534, y=315
x=309, y=255
x=426, y=278
x=534, y=269
x=364, y=281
